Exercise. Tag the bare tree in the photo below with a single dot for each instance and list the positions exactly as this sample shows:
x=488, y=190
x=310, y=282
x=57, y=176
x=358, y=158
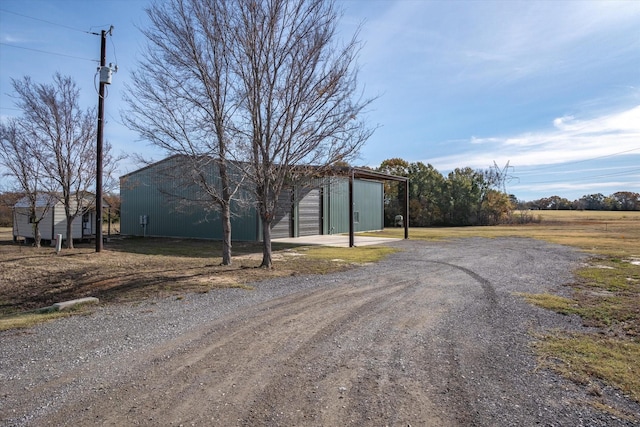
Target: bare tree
x=297, y=95
x=21, y=164
x=181, y=101
x=61, y=136
x=261, y=85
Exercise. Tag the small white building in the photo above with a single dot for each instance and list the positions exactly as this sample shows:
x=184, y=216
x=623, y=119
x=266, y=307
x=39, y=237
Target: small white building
x=54, y=221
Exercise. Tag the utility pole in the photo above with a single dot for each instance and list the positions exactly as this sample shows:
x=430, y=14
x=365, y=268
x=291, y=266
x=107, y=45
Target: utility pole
x=105, y=78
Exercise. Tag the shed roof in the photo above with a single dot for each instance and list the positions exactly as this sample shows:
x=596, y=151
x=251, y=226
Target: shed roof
x=42, y=200
x=52, y=199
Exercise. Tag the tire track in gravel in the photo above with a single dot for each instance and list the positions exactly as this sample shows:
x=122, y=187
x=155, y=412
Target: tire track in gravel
x=228, y=364
x=487, y=287
x=336, y=387
x=286, y=362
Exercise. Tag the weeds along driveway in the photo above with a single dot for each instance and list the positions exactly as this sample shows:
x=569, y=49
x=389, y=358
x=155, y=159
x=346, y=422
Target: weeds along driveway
x=433, y=335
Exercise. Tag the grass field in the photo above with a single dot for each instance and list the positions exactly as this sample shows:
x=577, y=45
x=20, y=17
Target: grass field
x=596, y=232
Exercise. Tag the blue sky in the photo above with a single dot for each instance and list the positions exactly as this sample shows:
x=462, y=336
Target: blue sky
x=550, y=87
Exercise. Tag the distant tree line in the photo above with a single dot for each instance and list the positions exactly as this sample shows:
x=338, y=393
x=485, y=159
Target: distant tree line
x=465, y=196
x=619, y=201
x=469, y=196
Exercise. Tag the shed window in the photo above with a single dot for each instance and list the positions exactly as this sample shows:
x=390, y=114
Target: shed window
x=356, y=216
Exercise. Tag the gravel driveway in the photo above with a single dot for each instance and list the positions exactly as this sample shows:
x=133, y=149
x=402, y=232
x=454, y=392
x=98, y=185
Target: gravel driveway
x=432, y=336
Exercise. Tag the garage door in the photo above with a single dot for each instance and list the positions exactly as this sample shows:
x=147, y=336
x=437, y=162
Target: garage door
x=281, y=224
x=309, y=214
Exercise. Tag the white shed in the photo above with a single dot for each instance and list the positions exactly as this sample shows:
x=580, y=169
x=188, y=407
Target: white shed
x=51, y=209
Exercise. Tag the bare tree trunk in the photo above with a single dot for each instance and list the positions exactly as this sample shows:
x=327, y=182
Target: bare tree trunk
x=267, y=261
x=226, y=234
x=266, y=209
x=37, y=238
x=69, y=227
x=225, y=204
x=69, y=236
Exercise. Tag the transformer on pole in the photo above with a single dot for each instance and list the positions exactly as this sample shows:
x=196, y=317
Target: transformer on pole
x=105, y=79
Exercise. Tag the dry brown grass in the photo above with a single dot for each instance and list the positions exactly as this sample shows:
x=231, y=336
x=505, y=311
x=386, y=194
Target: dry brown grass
x=136, y=268
x=597, y=232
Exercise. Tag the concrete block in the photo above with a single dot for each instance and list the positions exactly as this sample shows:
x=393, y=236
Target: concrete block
x=66, y=305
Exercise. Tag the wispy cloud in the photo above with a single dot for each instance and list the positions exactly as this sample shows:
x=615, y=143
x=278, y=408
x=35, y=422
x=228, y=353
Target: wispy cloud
x=8, y=38
x=576, y=188
x=568, y=139
x=496, y=42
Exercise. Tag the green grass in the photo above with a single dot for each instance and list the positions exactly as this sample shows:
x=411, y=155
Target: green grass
x=358, y=255
x=552, y=302
x=585, y=357
x=613, y=274
x=325, y=259
x=606, y=296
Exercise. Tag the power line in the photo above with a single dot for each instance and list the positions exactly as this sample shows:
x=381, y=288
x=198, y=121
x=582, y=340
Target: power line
x=49, y=22
x=50, y=53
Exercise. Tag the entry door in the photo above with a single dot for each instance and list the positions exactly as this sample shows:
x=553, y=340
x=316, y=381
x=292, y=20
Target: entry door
x=87, y=224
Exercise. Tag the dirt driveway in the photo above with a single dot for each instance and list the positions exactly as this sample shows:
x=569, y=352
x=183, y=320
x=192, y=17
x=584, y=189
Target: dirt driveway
x=433, y=336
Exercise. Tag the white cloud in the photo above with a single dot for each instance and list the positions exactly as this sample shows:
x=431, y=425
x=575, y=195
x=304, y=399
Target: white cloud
x=570, y=140
x=564, y=123
x=7, y=38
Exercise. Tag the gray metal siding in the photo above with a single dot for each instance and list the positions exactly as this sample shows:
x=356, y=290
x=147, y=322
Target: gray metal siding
x=309, y=212
x=281, y=224
x=23, y=228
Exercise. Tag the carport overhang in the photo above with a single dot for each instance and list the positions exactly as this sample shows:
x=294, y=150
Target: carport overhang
x=362, y=173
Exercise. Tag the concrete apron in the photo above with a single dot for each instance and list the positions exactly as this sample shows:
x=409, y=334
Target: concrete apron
x=337, y=240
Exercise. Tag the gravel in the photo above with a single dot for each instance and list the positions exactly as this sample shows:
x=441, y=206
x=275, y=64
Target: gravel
x=440, y=326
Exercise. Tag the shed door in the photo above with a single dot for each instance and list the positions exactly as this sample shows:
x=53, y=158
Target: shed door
x=281, y=225
x=309, y=214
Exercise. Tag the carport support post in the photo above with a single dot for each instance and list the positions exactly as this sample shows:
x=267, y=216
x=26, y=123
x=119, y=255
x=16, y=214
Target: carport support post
x=351, y=242
x=406, y=209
